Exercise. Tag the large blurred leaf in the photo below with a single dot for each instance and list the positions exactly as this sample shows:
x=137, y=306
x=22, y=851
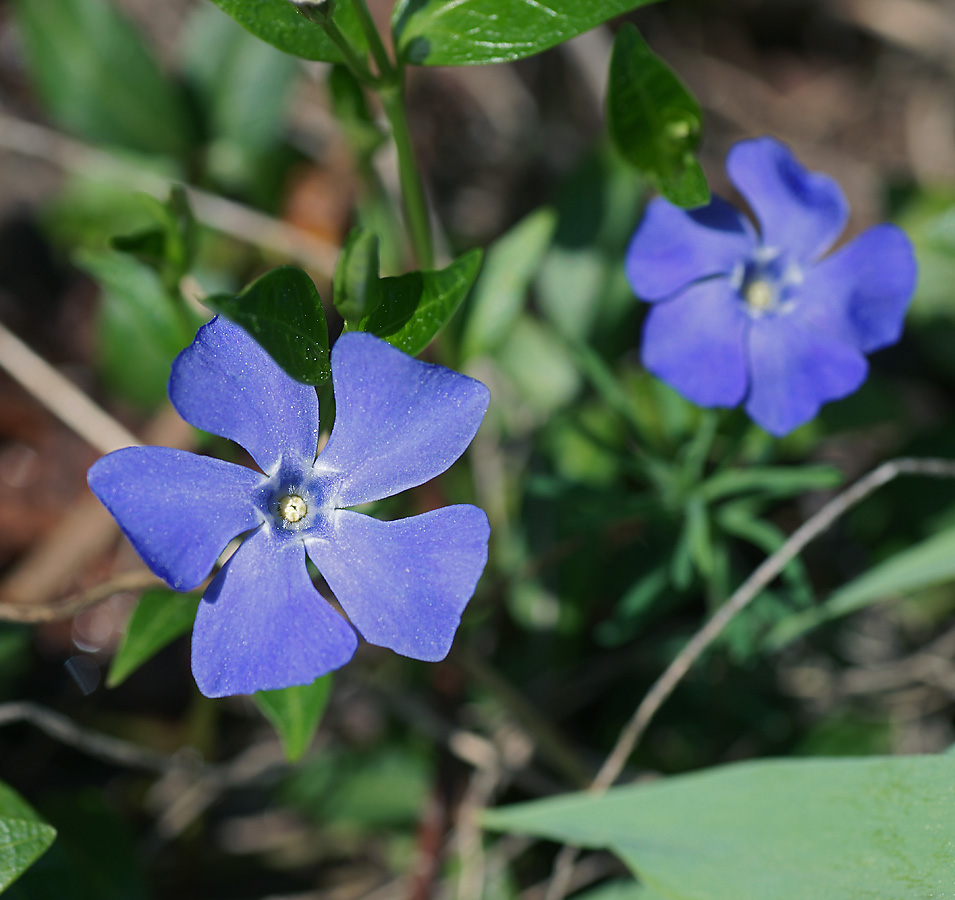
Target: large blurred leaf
x=98, y=78
x=24, y=836
x=786, y=830
x=278, y=23
x=295, y=713
x=926, y=564
x=416, y=306
x=472, y=32
x=620, y=890
x=159, y=618
x=654, y=120
x=283, y=312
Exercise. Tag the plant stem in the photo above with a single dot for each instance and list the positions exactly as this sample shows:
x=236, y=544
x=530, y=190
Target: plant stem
x=412, y=189
x=356, y=63
x=386, y=70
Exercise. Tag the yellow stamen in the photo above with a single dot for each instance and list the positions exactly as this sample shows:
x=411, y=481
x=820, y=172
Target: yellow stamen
x=760, y=295
x=292, y=508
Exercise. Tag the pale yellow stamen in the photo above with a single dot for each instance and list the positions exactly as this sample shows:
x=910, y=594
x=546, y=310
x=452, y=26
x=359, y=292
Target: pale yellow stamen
x=760, y=295
x=292, y=508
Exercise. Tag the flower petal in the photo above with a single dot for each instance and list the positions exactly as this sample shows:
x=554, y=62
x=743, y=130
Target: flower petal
x=262, y=626
x=696, y=342
x=404, y=584
x=674, y=247
x=179, y=510
x=398, y=421
x=225, y=383
x=794, y=369
x=862, y=292
x=799, y=212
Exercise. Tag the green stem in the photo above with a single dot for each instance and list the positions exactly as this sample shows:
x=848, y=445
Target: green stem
x=356, y=63
x=385, y=67
x=412, y=189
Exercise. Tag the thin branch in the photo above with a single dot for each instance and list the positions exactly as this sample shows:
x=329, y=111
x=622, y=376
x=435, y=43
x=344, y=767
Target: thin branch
x=761, y=577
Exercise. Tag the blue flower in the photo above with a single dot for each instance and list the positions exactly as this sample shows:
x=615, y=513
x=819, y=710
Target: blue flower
x=261, y=625
x=763, y=318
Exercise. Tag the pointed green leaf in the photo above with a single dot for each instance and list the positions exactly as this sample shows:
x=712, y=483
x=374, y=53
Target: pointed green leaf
x=416, y=306
x=654, y=121
x=24, y=836
x=295, y=713
x=283, y=312
x=159, y=618
x=356, y=291
x=278, y=23
x=472, y=32
x=787, y=830
x=771, y=481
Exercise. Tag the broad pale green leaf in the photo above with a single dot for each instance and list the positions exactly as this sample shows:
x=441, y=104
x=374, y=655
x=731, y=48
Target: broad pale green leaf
x=278, y=23
x=501, y=291
x=926, y=564
x=620, y=890
x=803, y=829
x=295, y=713
x=98, y=78
x=770, y=481
x=356, y=291
x=473, y=32
x=654, y=121
x=416, y=306
x=24, y=836
x=283, y=312
x=159, y=618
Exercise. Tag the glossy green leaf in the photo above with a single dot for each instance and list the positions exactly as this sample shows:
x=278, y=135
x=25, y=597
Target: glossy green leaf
x=473, y=32
x=788, y=830
x=98, y=78
x=159, y=618
x=24, y=836
x=356, y=291
x=416, y=306
x=654, y=121
x=924, y=565
x=501, y=292
x=278, y=23
x=283, y=312
x=295, y=713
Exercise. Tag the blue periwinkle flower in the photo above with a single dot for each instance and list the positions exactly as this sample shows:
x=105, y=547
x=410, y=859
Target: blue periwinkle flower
x=261, y=624
x=765, y=319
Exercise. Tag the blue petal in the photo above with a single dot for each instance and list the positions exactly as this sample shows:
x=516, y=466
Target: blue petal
x=696, y=342
x=674, y=247
x=799, y=212
x=794, y=369
x=179, y=510
x=261, y=624
x=862, y=291
x=404, y=584
x=225, y=383
x=398, y=421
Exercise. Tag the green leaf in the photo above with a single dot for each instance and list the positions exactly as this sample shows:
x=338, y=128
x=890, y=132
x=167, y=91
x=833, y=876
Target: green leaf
x=654, y=121
x=787, y=829
x=283, y=312
x=278, y=23
x=351, y=111
x=501, y=291
x=159, y=618
x=98, y=78
x=356, y=290
x=416, y=306
x=620, y=890
x=472, y=32
x=771, y=481
x=295, y=713
x=924, y=565
x=24, y=836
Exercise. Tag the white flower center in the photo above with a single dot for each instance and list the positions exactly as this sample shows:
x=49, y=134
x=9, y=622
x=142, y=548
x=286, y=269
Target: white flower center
x=760, y=295
x=292, y=508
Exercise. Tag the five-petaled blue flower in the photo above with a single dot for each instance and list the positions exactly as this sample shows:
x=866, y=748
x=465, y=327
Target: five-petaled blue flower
x=763, y=318
x=261, y=625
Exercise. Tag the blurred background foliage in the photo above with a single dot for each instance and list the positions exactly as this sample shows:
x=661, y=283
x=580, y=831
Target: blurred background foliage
x=620, y=513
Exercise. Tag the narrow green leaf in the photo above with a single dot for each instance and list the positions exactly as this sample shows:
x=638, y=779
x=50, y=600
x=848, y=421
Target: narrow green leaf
x=654, y=121
x=356, y=291
x=416, y=306
x=283, y=312
x=473, y=32
x=98, y=78
x=295, y=713
x=24, y=836
x=501, y=291
x=159, y=618
x=924, y=565
x=278, y=23
x=788, y=830
x=769, y=481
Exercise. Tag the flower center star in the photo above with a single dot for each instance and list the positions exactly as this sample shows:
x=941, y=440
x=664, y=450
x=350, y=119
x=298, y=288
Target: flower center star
x=292, y=508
